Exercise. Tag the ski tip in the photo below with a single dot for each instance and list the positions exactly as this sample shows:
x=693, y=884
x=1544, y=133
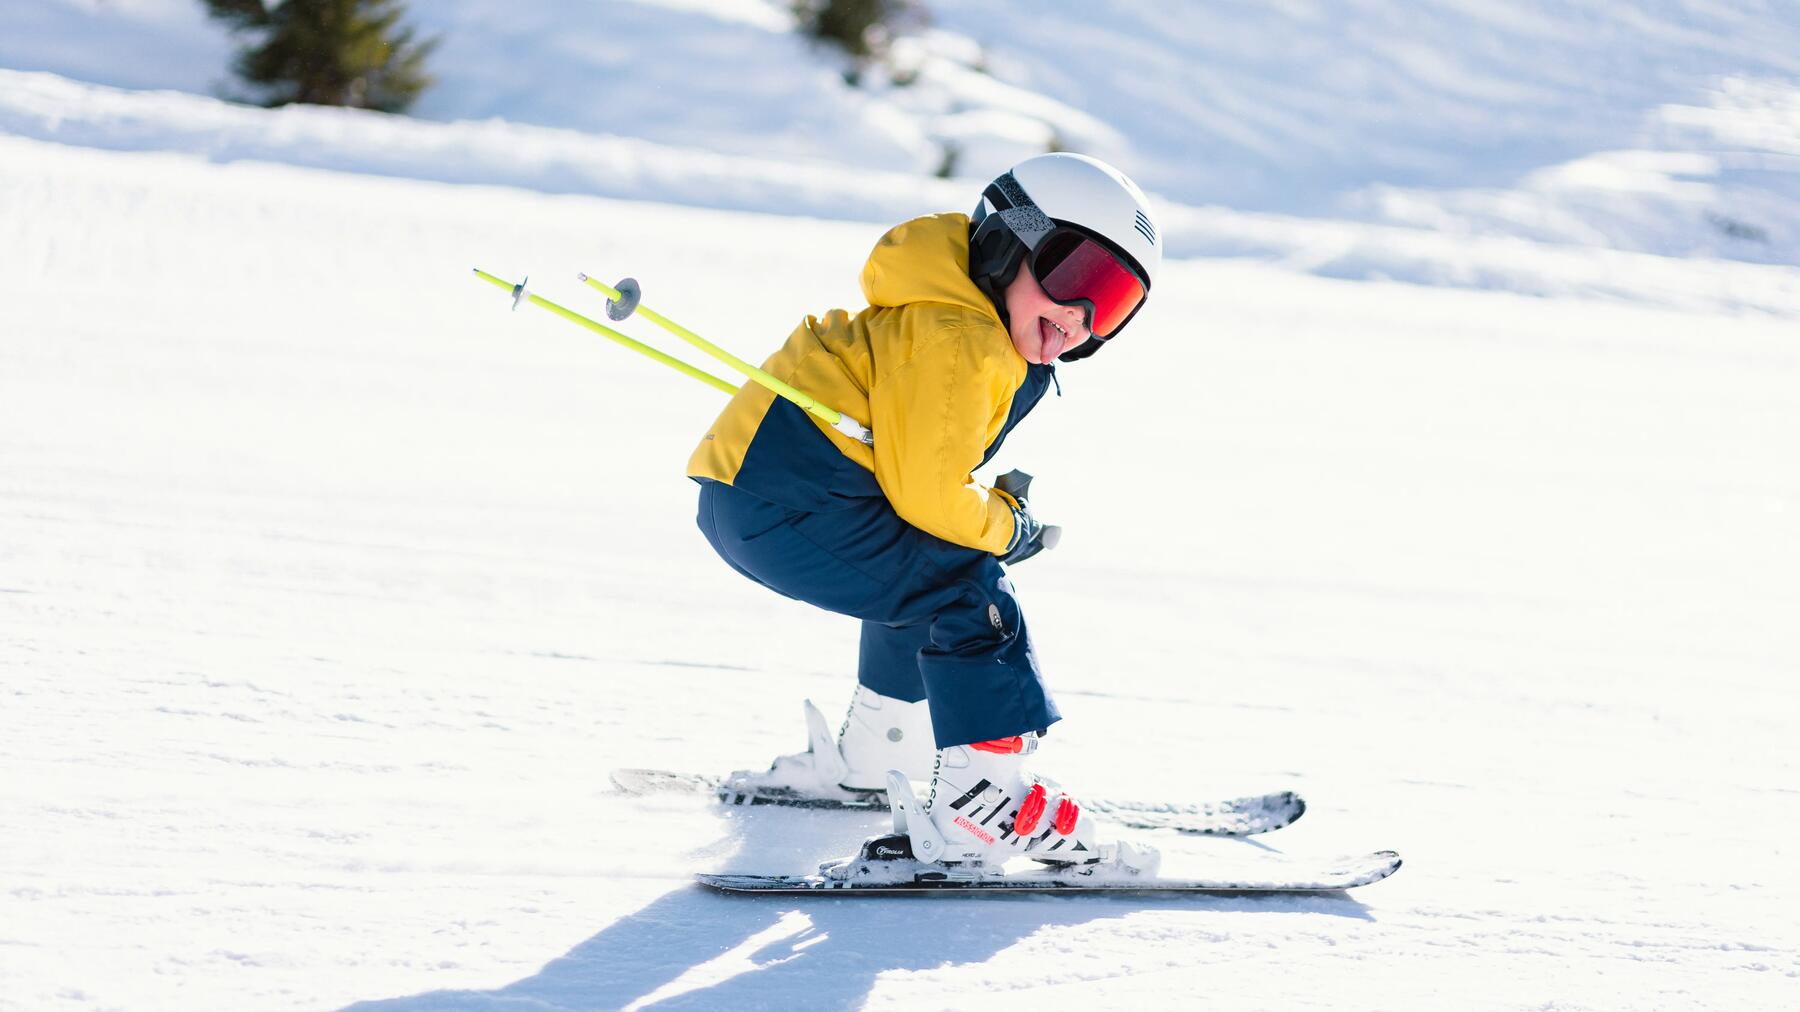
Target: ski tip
x=1384, y=863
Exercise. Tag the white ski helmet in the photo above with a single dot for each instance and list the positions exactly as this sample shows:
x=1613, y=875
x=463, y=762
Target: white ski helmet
x=1061, y=196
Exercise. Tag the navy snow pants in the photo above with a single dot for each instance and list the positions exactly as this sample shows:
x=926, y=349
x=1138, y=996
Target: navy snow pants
x=939, y=621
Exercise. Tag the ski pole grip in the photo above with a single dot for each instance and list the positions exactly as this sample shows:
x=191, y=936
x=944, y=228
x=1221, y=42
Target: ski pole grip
x=1015, y=483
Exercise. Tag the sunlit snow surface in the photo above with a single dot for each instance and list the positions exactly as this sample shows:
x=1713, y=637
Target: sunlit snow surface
x=1669, y=127
x=1435, y=249
x=330, y=590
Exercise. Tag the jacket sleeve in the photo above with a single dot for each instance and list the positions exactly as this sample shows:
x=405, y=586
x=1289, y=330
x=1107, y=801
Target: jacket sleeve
x=933, y=418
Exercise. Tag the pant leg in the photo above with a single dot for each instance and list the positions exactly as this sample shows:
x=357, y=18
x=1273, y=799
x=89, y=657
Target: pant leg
x=981, y=670
x=976, y=663
x=888, y=660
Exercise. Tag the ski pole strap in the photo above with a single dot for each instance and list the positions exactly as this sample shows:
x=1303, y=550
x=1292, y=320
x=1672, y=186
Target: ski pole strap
x=609, y=333
x=836, y=419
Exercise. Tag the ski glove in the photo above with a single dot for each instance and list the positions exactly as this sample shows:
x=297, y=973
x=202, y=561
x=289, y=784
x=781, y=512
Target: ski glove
x=1030, y=535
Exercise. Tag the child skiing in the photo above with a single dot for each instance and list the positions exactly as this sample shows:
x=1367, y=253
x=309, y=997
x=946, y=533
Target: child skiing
x=965, y=317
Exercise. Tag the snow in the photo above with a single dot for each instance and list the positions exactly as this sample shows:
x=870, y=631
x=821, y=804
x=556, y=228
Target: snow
x=333, y=589
x=1476, y=121
x=554, y=160
x=1462, y=502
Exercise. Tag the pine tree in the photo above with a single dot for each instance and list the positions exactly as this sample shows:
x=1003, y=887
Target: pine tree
x=328, y=52
x=860, y=27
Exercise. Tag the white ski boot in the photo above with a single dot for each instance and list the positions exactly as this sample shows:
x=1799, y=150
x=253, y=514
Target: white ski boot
x=986, y=808
x=879, y=734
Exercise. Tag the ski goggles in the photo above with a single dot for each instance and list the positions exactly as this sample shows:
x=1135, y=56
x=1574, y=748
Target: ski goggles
x=1074, y=269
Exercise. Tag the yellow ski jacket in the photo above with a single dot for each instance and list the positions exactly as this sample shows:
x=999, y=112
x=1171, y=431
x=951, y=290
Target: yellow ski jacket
x=928, y=366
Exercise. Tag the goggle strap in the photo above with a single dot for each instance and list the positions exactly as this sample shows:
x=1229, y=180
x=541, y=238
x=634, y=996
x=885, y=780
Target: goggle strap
x=1017, y=211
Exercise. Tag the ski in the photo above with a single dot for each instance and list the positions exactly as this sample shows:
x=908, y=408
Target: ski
x=893, y=875
x=1245, y=816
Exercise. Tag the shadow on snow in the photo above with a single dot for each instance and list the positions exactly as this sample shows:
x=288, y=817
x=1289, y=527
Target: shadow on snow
x=697, y=949
x=694, y=948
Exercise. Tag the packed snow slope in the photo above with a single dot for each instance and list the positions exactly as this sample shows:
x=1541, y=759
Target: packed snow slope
x=1668, y=127
x=330, y=590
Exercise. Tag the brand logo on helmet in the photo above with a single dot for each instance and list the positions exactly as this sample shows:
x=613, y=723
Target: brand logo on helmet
x=1144, y=228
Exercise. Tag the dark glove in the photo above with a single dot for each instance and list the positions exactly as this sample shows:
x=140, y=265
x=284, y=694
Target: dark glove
x=1030, y=536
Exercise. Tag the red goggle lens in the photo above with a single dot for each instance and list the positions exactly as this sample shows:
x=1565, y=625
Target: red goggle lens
x=1071, y=267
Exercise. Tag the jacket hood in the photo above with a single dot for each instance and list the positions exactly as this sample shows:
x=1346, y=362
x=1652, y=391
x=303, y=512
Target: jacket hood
x=925, y=260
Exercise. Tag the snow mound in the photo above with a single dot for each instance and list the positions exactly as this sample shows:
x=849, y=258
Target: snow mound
x=1661, y=127
x=496, y=152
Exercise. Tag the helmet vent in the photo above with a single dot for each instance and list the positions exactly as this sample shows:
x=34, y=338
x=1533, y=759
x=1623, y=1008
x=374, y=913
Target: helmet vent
x=1145, y=229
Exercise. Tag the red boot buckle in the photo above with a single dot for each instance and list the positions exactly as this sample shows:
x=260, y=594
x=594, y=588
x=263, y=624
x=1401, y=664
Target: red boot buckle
x=1031, y=810
x=1001, y=746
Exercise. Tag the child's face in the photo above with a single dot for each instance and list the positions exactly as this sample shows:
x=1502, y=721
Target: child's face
x=1041, y=329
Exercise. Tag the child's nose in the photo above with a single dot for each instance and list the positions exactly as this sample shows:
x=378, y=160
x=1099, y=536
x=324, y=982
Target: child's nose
x=1075, y=319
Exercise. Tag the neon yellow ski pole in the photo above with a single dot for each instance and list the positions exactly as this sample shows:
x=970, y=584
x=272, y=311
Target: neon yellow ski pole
x=521, y=295
x=622, y=301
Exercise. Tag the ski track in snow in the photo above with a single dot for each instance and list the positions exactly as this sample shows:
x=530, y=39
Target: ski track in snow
x=335, y=589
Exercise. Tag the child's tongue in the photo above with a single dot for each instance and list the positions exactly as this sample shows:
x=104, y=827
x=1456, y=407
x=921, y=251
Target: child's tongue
x=1052, y=338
